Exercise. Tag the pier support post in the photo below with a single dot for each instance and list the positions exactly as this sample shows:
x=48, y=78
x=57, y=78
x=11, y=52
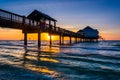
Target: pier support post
x=70, y=40
x=60, y=39
x=50, y=40
x=25, y=38
x=39, y=39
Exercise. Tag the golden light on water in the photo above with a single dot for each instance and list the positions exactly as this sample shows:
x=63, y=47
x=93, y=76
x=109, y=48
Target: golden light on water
x=39, y=68
x=49, y=60
x=51, y=50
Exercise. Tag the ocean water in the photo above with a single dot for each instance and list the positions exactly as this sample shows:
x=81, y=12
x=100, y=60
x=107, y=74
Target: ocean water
x=82, y=61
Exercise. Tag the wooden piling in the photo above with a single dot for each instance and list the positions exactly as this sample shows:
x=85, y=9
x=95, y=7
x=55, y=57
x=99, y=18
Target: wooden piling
x=70, y=40
x=60, y=39
x=50, y=40
x=25, y=38
x=39, y=39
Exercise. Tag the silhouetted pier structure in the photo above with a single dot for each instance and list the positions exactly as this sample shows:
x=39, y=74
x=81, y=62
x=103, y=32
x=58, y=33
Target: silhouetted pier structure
x=33, y=24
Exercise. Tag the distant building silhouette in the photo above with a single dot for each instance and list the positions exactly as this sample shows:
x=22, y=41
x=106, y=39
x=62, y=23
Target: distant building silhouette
x=89, y=34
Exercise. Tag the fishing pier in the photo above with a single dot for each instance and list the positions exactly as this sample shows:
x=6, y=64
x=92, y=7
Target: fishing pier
x=36, y=22
x=32, y=24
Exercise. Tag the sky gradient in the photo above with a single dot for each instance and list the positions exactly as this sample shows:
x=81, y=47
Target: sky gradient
x=103, y=15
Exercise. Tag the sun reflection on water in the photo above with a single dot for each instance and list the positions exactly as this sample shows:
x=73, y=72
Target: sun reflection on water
x=49, y=60
x=39, y=69
x=53, y=49
x=40, y=61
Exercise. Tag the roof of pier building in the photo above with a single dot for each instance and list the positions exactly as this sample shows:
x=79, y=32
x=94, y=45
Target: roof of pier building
x=89, y=32
x=37, y=15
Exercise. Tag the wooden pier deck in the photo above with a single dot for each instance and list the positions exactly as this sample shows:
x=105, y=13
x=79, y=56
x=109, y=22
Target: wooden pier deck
x=27, y=25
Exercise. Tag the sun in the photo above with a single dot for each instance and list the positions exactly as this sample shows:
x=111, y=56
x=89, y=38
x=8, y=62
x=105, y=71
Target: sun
x=51, y=37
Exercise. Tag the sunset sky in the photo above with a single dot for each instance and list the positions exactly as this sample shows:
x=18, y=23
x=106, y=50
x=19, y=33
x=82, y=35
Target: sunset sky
x=103, y=15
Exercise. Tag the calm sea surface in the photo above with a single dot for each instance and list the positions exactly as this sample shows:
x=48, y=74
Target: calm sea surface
x=82, y=61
